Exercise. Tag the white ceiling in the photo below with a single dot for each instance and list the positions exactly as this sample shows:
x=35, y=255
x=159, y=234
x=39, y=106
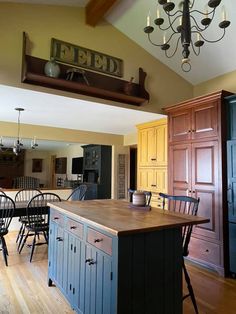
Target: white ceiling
x=65, y=112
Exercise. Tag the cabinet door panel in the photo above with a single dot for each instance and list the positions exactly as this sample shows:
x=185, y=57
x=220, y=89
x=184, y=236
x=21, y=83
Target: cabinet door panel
x=231, y=166
x=97, y=282
x=147, y=147
x=146, y=180
x=161, y=145
x=180, y=169
x=205, y=185
x=160, y=178
x=180, y=125
x=59, y=249
x=204, y=120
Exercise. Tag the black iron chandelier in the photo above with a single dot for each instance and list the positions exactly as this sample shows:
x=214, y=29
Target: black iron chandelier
x=18, y=145
x=187, y=25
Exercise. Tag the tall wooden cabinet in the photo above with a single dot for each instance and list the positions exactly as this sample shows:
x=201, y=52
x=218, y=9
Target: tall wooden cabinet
x=197, y=168
x=152, y=159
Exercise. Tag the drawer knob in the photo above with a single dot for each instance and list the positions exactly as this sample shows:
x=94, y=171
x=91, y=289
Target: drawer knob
x=56, y=218
x=97, y=240
x=73, y=227
x=207, y=250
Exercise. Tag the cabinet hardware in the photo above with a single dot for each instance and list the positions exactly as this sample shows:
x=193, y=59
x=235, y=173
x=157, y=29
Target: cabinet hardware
x=59, y=239
x=88, y=260
x=207, y=250
x=73, y=227
x=189, y=191
x=70, y=286
x=193, y=130
x=189, y=131
x=73, y=290
x=92, y=262
x=71, y=247
x=74, y=249
x=194, y=191
x=98, y=240
x=56, y=218
x=153, y=159
x=153, y=185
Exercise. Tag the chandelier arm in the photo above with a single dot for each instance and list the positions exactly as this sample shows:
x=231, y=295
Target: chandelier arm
x=177, y=44
x=170, y=26
x=171, y=15
x=192, y=5
x=197, y=53
x=196, y=25
x=202, y=13
x=214, y=41
x=154, y=44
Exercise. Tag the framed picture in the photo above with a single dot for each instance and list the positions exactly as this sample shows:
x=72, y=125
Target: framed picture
x=37, y=165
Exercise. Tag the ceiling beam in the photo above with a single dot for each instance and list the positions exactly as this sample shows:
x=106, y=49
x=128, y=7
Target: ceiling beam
x=95, y=10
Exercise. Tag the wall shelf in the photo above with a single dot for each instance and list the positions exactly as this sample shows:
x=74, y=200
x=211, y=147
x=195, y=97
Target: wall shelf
x=100, y=86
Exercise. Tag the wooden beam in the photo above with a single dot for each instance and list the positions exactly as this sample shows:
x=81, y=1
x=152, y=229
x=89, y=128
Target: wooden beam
x=96, y=9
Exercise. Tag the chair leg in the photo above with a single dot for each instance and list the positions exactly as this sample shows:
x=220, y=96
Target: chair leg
x=19, y=233
x=190, y=288
x=23, y=243
x=21, y=236
x=33, y=246
x=4, y=250
x=45, y=236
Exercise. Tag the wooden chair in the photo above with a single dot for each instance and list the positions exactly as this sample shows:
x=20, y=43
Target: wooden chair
x=147, y=193
x=7, y=207
x=78, y=194
x=185, y=205
x=24, y=195
x=38, y=219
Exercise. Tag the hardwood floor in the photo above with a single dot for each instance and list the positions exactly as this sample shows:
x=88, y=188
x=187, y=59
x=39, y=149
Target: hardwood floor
x=23, y=287
x=214, y=294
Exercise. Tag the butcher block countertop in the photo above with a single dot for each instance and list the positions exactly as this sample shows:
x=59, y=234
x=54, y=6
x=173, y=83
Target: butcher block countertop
x=117, y=218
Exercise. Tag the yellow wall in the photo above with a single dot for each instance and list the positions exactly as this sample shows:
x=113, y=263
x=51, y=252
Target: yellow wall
x=60, y=134
x=43, y=22
x=223, y=82
x=43, y=176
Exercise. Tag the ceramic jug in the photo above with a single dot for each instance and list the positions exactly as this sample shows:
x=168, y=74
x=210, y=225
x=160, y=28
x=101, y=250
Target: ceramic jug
x=52, y=69
x=139, y=198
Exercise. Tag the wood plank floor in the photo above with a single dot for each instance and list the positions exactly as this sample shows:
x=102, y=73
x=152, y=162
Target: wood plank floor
x=23, y=287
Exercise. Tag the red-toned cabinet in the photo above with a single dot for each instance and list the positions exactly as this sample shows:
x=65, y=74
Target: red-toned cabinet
x=197, y=134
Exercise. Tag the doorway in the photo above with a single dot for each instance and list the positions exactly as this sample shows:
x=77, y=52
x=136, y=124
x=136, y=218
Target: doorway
x=133, y=168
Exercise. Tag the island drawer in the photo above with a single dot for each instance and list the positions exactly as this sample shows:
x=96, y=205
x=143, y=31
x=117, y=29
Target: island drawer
x=57, y=217
x=204, y=250
x=100, y=240
x=74, y=227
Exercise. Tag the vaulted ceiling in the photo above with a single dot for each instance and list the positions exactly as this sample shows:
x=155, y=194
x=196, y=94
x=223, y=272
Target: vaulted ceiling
x=130, y=16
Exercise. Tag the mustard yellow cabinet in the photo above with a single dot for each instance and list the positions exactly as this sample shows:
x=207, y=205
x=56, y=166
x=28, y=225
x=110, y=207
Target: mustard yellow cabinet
x=152, y=144
x=152, y=159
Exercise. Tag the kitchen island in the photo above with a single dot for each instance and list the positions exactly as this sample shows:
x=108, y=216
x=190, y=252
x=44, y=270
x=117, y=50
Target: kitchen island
x=108, y=258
